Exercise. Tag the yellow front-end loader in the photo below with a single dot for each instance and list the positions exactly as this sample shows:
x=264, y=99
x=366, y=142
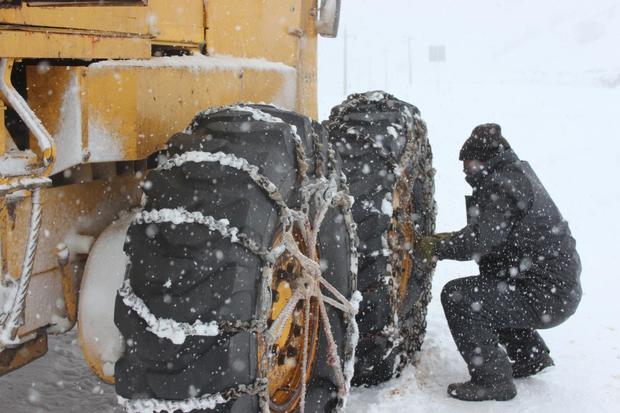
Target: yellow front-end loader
x=209, y=267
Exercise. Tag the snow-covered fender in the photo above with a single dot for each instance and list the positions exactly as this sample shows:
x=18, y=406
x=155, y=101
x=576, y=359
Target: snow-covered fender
x=101, y=342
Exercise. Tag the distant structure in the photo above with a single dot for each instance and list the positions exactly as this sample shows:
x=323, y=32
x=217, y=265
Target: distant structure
x=436, y=53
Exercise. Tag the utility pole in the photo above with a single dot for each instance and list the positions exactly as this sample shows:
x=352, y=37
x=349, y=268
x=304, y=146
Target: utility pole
x=410, y=60
x=345, y=75
x=387, y=66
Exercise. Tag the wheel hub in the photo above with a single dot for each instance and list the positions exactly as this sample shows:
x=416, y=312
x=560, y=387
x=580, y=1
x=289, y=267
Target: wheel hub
x=286, y=372
x=401, y=235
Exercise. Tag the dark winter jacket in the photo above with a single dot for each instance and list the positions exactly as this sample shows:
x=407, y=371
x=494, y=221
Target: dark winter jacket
x=514, y=228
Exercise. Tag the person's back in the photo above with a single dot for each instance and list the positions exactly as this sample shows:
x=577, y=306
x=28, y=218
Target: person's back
x=529, y=269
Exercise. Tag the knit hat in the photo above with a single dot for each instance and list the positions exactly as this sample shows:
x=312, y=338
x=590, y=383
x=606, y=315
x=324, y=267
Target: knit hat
x=486, y=142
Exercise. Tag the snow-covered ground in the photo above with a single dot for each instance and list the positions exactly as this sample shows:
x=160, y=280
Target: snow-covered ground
x=549, y=73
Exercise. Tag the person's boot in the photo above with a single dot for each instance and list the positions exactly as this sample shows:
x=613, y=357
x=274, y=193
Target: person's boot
x=472, y=391
x=528, y=368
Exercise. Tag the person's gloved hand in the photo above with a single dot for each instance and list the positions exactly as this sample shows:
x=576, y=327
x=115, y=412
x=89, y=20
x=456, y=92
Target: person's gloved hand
x=428, y=245
x=426, y=248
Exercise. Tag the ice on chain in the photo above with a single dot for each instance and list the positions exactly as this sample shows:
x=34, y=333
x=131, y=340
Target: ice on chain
x=354, y=335
x=241, y=164
x=188, y=405
x=165, y=327
x=182, y=216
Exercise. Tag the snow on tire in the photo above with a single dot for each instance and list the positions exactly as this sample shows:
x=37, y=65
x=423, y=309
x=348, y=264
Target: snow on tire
x=241, y=286
x=387, y=159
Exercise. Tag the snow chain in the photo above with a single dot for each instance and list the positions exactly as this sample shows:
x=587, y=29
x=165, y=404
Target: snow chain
x=324, y=194
x=207, y=401
x=414, y=157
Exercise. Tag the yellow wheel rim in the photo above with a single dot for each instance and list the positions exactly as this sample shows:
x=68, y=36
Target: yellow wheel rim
x=286, y=371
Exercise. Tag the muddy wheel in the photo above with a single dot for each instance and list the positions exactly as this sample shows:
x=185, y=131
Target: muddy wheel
x=388, y=161
x=239, y=294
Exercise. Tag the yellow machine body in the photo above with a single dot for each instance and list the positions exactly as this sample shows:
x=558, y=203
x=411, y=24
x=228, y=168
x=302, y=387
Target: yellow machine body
x=111, y=81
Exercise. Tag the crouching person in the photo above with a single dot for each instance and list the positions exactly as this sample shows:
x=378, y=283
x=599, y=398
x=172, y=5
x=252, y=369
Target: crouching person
x=529, y=270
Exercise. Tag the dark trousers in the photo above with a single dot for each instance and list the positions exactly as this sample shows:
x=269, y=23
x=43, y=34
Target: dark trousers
x=483, y=312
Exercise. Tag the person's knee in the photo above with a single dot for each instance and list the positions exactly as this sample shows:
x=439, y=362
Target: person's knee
x=451, y=294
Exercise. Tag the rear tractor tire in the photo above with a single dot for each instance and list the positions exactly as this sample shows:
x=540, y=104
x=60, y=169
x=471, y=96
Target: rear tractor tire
x=240, y=294
x=387, y=159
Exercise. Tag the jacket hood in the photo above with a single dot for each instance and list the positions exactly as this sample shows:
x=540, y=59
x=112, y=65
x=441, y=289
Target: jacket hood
x=484, y=143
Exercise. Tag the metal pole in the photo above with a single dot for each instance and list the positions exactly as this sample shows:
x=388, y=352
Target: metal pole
x=345, y=77
x=387, y=66
x=410, y=60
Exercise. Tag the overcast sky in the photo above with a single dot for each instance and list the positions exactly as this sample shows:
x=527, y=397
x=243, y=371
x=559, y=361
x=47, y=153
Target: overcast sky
x=511, y=36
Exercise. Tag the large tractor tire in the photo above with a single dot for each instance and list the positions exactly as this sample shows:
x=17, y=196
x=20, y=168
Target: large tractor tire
x=387, y=159
x=240, y=294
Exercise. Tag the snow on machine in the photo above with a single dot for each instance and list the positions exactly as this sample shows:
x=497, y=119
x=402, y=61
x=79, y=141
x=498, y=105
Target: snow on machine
x=215, y=254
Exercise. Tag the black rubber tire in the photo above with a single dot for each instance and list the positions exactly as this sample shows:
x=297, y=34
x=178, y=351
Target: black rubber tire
x=380, y=138
x=186, y=273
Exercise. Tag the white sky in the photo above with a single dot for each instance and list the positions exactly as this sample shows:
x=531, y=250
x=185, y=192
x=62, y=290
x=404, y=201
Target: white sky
x=513, y=37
